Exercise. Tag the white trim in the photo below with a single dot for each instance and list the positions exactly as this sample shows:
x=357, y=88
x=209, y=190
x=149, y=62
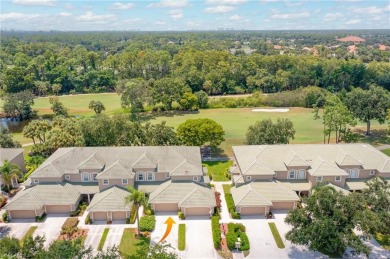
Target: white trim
x=67, y=177
x=304, y=174
x=83, y=175
x=335, y=178
x=143, y=176
x=357, y=173
x=125, y=181
x=372, y=172
x=319, y=177
x=289, y=174
x=108, y=182
x=147, y=176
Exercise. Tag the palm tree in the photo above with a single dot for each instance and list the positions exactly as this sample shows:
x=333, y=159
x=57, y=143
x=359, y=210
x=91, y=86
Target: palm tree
x=9, y=172
x=138, y=199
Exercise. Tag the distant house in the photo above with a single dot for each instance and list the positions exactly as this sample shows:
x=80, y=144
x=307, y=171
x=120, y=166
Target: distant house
x=352, y=49
x=354, y=39
x=272, y=177
x=173, y=178
x=383, y=47
x=15, y=157
x=277, y=47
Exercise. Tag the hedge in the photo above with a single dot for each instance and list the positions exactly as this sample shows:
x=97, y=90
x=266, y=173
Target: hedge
x=231, y=206
x=235, y=231
x=216, y=231
x=147, y=223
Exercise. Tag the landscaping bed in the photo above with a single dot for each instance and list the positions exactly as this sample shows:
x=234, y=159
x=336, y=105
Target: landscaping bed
x=70, y=231
x=235, y=231
x=28, y=234
x=275, y=233
x=230, y=202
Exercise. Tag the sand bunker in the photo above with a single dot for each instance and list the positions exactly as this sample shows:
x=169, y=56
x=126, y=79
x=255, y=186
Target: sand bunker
x=270, y=110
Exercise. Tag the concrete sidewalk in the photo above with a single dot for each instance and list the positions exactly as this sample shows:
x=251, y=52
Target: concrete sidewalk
x=225, y=216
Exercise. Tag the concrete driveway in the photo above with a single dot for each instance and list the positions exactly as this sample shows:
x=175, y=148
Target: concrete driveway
x=95, y=233
x=199, y=238
x=17, y=227
x=51, y=228
x=114, y=235
x=160, y=228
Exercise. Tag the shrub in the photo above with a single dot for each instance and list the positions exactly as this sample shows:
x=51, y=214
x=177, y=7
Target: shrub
x=4, y=217
x=216, y=231
x=218, y=199
x=3, y=201
x=231, y=239
x=40, y=218
x=88, y=220
x=181, y=215
x=74, y=213
x=231, y=206
x=26, y=175
x=235, y=231
x=245, y=246
x=70, y=223
x=147, y=223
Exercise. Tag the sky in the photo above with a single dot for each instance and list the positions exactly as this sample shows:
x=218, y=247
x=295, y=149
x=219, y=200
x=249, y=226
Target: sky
x=163, y=15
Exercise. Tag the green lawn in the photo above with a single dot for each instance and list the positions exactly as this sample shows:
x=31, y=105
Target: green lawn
x=218, y=169
x=103, y=239
x=386, y=151
x=383, y=240
x=226, y=188
x=29, y=233
x=275, y=233
x=182, y=237
x=129, y=244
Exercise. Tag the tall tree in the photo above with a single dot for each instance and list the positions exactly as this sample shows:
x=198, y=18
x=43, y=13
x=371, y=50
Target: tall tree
x=267, y=132
x=135, y=93
x=37, y=129
x=96, y=106
x=328, y=220
x=159, y=135
x=6, y=139
x=19, y=105
x=58, y=107
x=9, y=172
x=367, y=105
x=138, y=199
x=198, y=132
x=168, y=90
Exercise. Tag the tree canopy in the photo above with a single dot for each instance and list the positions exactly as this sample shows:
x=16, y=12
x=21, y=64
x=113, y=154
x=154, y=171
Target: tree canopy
x=199, y=132
x=266, y=132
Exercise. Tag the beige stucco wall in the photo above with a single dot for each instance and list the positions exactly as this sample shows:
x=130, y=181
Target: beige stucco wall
x=287, y=205
x=199, y=211
x=113, y=182
x=251, y=210
x=257, y=177
x=365, y=173
x=99, y=216
x=119, y=215
x=160, y=176
x=173, y=207
x=47, y=179
x=281, y=175
x=327, y=179
x=184, y=178
x=59, y=209
x=74, y=177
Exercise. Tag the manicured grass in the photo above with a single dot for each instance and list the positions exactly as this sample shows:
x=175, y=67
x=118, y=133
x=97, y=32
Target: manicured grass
x=182, y=237
x=78, y=104
x=103, y=239
x=29, y=233
x=130, y=244
x=386, y=151
x=218, y=169
x=226, y=188
x=275, y=233
x=383, y=240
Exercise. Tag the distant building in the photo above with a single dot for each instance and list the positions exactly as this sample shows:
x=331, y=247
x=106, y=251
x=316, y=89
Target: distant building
x=383, y=47
x=354, y=39
x=352, y=49
x=277, y=47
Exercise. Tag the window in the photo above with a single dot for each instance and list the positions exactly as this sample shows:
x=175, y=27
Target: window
x=125, y=181
x=372, y=172
x=249, y=178
x=319, y=178
x=354, y=173
x=150, y=176
x=35, y=181
x=167, y=175
x=94, y=177
x=301, y=174
x=106, y=182
x=141, y=177
x=291, y=174
x=337, y=178
x=195, y=178
x=67, y=177
x=85, y=177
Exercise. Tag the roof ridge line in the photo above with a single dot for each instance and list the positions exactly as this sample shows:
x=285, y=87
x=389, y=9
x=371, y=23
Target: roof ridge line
x=188, y=195
x=284, y=188
x=164, y=187
x=260, y=194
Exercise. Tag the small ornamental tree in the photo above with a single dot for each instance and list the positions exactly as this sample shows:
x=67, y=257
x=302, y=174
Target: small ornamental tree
x=267, y=132
x=198, y=132
x=97, y=106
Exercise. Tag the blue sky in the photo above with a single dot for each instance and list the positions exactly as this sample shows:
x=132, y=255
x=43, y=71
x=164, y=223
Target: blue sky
x=71, y=15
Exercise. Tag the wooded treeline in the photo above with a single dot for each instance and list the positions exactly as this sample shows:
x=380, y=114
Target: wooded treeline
x=53, y=63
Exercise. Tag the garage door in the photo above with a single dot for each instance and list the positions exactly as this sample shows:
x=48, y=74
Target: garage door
x=57, y=209
x=197, y=211
x=22, y=214
x=171, y=207
x=282, y=206
x=119, y=215
x=252, y=210
x=100, y=216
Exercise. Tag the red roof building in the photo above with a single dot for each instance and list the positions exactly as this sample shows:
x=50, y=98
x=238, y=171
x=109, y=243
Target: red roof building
x=353, y=39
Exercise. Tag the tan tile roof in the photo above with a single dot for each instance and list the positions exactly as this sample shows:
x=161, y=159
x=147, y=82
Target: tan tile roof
x=351, y=38
x=296, y=185
x=178, y=160
x=9, y=153
x=112, y=199
x=320, y=167
x=116, y=171
x=275, y=156
x=185, y=193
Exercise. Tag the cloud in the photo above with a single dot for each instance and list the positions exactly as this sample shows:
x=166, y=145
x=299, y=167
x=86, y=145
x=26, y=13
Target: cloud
x=160, y=23
x=235, y=17
x=95, y=18
x=35, y=2
x=65, y=14
x=290, y=16
x=176, y=14
x=121, y=6
x=225, y=2
x=219, y=9
x=192, y=24
x=353, y=21
x=11, y=17
x=368, y=10
x=332, y=16
x=170, y=4
x=293, y=4
x=132, y=20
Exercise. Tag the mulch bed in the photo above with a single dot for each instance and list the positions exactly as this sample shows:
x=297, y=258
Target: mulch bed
x=79, y=233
